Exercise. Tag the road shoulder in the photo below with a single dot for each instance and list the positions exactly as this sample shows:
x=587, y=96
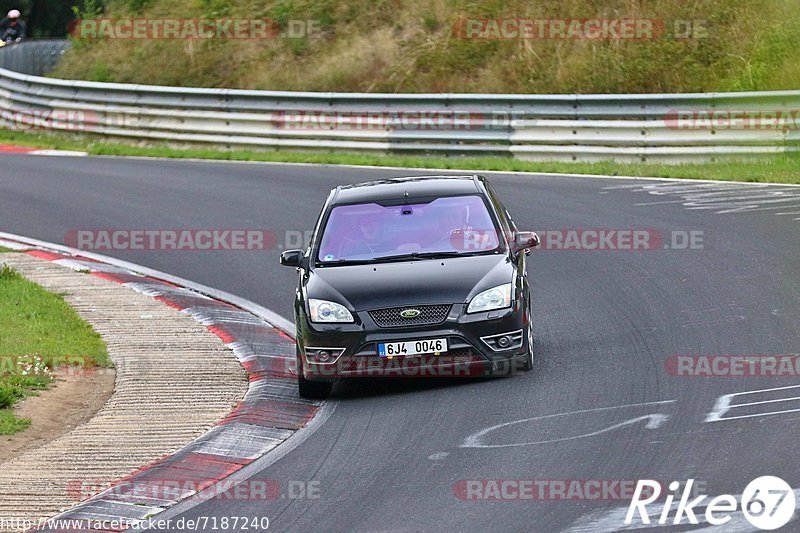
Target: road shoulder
x=174, y=381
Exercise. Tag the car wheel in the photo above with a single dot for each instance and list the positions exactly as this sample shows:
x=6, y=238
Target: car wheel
x=315, y=390
x=528, y=364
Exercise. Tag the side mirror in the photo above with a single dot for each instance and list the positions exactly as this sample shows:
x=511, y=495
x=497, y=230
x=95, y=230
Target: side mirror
x=292, y=258
x=525, y=240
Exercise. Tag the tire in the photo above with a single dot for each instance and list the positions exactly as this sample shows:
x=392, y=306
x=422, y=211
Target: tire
x=527, y=365
x=314, y=390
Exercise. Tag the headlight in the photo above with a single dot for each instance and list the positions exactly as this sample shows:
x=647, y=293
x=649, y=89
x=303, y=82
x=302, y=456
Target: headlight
x=495, y=298
x=325, y=311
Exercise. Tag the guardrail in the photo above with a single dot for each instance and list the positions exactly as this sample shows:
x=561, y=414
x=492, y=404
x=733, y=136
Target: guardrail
x=668, y=128
x=33, y=57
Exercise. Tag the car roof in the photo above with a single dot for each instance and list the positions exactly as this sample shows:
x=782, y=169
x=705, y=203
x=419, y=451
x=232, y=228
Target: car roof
x=407, y=187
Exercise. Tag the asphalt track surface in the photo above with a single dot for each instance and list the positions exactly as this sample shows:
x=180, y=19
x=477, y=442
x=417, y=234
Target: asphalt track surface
x=391, y=455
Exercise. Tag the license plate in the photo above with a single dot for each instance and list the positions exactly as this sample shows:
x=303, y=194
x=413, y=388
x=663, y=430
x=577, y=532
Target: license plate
x=409, y=348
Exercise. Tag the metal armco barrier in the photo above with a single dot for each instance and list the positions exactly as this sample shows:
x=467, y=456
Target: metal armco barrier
x=33, y=57
x=670, y=128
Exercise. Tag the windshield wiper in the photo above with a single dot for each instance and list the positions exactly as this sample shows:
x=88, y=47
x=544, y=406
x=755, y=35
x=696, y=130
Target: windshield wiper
x=411, y=256
x=416, y=256
x=437, y=255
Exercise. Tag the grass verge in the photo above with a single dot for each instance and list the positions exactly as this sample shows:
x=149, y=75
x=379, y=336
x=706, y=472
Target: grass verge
x=428, y=46
x=38, y=331
x=10, y=424
x=779, y=169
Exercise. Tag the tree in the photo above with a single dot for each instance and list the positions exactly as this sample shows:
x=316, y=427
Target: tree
x=45, y=18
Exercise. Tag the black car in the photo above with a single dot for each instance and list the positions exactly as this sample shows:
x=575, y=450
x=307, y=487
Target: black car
x=412, y=277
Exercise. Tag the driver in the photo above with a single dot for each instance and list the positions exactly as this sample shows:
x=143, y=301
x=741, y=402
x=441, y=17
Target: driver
x=12, y=28
x=368, y=241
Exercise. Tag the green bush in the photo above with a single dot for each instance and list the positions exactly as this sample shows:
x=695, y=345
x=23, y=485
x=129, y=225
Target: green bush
x=7, y=273
x=8, y=396
x=9, y=424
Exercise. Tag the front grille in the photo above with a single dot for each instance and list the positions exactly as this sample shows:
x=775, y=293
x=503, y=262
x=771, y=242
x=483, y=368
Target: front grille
x=428, y=314
x=461, y=355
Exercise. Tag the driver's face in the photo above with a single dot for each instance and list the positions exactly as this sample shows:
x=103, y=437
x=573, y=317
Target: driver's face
x=371, y=229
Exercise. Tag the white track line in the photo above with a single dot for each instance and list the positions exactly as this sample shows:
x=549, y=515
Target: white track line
x=452, y=170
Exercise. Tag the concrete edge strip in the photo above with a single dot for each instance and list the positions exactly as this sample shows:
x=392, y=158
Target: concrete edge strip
x=270, y=415
x=28, y=150
x=60, y=153
x=247, y=472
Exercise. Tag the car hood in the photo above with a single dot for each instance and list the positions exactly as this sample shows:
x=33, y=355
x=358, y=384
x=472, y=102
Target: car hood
x=429, y=281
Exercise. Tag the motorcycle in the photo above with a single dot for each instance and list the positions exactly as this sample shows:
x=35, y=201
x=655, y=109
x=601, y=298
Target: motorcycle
x=9, y=41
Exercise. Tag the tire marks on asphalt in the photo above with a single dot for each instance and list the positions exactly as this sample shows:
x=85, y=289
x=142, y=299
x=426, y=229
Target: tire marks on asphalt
x=721, y=198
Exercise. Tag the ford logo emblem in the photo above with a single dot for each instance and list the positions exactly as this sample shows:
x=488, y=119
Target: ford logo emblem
x=409, y=313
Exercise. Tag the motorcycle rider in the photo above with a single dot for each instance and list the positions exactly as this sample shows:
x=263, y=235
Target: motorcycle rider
x=12, y=28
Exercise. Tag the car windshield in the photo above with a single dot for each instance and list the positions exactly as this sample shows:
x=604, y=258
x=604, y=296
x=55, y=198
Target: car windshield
x=448, y=225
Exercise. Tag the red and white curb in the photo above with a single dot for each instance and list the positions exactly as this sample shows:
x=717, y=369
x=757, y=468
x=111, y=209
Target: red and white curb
x=269, y=414
x=27, y=150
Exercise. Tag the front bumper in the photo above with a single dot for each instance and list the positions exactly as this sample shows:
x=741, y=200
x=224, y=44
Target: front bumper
x=472, y=352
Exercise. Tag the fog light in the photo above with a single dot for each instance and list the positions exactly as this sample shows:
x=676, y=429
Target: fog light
x=323, y=356
x=502, y=342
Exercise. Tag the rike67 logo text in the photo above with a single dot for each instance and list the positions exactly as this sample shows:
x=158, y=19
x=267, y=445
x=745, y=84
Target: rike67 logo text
x=767, y=502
